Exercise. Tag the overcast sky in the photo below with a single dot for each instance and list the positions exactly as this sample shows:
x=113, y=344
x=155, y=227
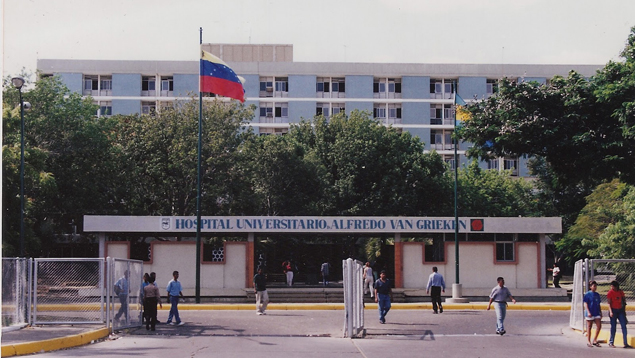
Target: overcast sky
x=419, y=31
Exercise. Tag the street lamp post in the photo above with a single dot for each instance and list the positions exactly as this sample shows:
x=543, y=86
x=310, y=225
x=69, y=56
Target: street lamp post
x=18, y=82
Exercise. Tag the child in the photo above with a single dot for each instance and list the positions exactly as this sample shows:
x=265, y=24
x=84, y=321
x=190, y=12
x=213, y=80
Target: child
x=592, y=313
x=174, y=291
x=151, y=296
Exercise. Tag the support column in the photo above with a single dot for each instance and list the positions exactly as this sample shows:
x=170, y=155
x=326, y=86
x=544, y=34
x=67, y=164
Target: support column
x=542, y=278
x=250, y=260
x=398, y=261
x=102, y=244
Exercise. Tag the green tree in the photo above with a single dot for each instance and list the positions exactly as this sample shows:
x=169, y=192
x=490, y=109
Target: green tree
x=578, y=131
x=70, y=169
x=617, y=241
x=594, y=218
x=494, y=193
x=159, y=158
x=283, y=179
x=371, y=169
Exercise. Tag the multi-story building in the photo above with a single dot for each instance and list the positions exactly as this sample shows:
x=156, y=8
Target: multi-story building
x=417, y=98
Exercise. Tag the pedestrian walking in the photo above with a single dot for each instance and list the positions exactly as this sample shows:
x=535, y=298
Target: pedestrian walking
x=617, y=311
x=146, y=281
x=556, y=274
x=174, y=292
x=383, y=296
x=592, y=313
x=122, y=290
x=151, y=297
x=436, y=285
x=324, y=270
x=499, y=296
x=288, y=271
x=260, y=289
x=368, y=280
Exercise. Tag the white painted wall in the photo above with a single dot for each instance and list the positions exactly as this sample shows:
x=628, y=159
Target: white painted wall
x=477, y=268
x=168, y=257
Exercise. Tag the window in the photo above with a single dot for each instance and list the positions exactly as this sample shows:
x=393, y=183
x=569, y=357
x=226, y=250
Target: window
x=394, y=114
x=148, y=108
x=379, y=111
x=337, y=108
x=504, y=251
x=105, y=85
x=282, y=84
x=266, y=112
x=511, y=164
x=105, y=109
x=322, y=109
x=449, y=160
x=493, y=164
x=387, y=88
x=266, y=86
x=434, y=248
x=436, y=114
x=273, y=131
x=441, y=88
x=274, y=86
x=339, y=86
x=148, y=86
x=492, y=86
x=504, y=247
x=167, y=86
x=91, y=83
x=441, y=139
x=282, y=110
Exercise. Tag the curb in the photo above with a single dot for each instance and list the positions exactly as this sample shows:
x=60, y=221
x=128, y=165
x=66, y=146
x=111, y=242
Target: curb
x=605, y=335
x=48, y=345
x=368, y=306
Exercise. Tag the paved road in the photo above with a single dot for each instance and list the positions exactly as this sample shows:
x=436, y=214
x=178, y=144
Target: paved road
x=307, y=334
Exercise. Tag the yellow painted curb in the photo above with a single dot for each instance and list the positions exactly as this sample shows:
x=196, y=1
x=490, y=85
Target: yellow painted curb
x=605, y=335
x=340, y=306
x=48, y=345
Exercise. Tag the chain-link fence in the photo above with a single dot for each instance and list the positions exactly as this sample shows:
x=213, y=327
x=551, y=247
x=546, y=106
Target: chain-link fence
x=353, y=274
x=603, y=272
x=68, y=291
x=125, y=279
x=16, y=279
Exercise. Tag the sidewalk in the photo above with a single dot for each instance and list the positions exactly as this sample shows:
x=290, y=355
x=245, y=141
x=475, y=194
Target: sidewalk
x=53, y=337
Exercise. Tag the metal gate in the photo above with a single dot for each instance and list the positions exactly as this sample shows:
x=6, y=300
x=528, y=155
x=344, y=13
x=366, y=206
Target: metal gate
x=16, y=292
x=603, y=272
x=68, y=291
x=353, y=272
x=124, y=306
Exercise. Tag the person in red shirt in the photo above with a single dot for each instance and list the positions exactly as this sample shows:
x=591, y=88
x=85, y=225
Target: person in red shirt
x=617, y=310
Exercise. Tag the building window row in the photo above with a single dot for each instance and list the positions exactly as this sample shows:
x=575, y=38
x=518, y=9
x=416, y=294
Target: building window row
x=329, y=109
x=274, y=112
x=330, y=87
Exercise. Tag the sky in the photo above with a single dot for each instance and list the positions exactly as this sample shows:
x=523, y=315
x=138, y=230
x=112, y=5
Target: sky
x=403, y=31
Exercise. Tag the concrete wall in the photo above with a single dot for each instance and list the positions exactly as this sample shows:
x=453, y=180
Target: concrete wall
x=168, y=257
x=477, y=266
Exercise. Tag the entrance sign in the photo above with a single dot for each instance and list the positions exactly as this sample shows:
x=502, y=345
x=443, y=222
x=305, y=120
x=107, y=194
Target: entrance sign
x=321, y=224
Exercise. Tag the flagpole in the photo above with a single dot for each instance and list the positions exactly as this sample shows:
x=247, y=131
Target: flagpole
x=198, y=180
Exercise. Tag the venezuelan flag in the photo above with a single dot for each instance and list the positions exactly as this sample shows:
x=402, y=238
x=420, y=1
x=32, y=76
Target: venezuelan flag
x=462, y=114
x=218, y=78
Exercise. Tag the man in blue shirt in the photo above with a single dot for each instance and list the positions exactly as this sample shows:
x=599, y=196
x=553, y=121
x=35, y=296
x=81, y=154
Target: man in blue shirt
x=499, y=296
x=436, y=284
x=383, y=296
x=174, y=291
x=122, y=289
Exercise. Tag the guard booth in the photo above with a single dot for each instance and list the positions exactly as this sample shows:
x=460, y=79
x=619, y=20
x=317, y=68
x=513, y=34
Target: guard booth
x=513, y=247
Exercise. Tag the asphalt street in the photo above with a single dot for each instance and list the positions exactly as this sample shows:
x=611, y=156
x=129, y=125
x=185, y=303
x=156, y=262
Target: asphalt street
x=407, y=333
